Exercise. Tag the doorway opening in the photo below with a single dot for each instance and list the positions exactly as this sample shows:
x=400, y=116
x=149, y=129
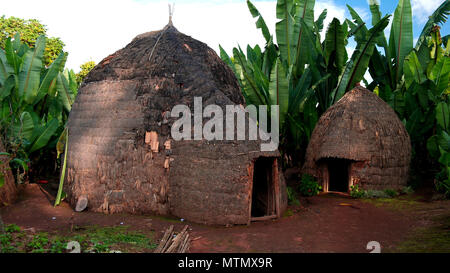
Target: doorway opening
x=263, y=204
x=338, y=175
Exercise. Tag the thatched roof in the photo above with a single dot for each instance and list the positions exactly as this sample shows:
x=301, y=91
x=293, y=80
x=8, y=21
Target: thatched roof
x=360, y=127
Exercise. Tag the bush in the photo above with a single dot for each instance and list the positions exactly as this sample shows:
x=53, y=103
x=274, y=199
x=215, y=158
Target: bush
x=309, y=186
x=292, y=197
x=356, y=192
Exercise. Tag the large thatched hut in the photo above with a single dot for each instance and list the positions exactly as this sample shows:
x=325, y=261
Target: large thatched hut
x=121, y=157
x=359, y=140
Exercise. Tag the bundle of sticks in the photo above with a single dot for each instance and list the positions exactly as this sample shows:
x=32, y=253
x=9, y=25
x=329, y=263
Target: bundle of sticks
x=174, y=244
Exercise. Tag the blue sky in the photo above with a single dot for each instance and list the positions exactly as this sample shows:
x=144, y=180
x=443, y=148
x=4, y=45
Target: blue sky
x=94, y=29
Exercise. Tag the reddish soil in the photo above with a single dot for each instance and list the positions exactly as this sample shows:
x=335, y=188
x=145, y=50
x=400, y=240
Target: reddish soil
x=323, y=223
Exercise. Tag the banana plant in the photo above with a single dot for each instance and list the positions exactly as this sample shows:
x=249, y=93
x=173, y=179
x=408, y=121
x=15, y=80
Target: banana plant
x=34, y=100
x=301, y=73
x=387, y=70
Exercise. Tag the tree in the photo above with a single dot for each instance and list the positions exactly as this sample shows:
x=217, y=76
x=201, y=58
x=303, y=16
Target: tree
x=29, y=31
x=85, y=69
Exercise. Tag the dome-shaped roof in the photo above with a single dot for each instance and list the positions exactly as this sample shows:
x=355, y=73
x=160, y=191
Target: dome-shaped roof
x=360, y=127
x=172, y=60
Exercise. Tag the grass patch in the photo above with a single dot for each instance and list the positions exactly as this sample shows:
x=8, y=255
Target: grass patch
x=398, y=203
x=435, y=239
x=92, y=239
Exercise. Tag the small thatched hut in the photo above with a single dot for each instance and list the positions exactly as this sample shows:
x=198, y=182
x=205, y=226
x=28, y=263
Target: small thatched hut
x=121, y=157
x=359, y=140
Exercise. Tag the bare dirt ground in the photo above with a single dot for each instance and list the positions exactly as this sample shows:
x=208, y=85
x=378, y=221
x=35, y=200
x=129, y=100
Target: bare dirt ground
x=324, y=223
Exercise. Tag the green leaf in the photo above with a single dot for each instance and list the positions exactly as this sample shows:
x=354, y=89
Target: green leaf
x=443, y=115
x=279, y=90
x=440, y=74
x=401, y=38
x=284, y=30
x=49, y=77
x=335, y=41
x=304, y=25
x=44, y=137
x=260, y=23
x=8, y=85
x=320, y=20
x=357, y=66
x=439, y=16
x=5, y=69
x=29, y=76
x=63, y=170
x=11, y=56
x=413, y=70
x=25, y=127
x=64, y=92
x=374, y=6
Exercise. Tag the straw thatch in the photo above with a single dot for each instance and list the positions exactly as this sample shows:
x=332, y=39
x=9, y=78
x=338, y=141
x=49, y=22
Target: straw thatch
x=363, y=129
x=125, y=102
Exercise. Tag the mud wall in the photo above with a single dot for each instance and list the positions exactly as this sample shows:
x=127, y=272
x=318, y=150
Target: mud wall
x=106, y=160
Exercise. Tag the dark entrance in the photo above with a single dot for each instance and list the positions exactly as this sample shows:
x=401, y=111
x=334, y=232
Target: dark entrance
x=338, y=174
x=263, y=195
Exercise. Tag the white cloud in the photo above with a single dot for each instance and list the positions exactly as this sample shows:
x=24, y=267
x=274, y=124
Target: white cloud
x=93, y=29
x=422, y=9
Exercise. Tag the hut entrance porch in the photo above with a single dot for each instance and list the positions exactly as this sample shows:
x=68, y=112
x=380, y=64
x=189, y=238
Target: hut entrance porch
x=264, y=196
x=337, y=178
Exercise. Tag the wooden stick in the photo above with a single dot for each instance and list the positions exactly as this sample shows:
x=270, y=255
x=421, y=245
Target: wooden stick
x=164, y=240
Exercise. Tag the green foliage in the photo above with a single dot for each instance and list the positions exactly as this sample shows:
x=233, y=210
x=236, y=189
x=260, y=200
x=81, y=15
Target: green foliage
x=414, y=80
x=85, y=69
x=301, y=73
x=38, y=243
x=391, y=193
x=12, y=228
x=92, y=239
x=35, y=101
x=30, y=31
x=292, y=197
x=356, y=192
x=309, y=186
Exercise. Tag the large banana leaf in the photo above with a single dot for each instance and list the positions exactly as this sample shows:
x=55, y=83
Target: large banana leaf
x=300, y=93
x=440, y=74
x=64, y=92
x=24, y=127
x=284, y=30
x=335, y=41
x=7, y=87
x=13, y=59
x=304, y=15
x=357, y=66
x=260, y=23
x=401, y=37
x=307, y=49
x=439, y=16
x=42, y=135
x=320, y=20
x=443, y=115
x=49, y=77
x=5, y=68
x=413, y=70
x=250, y=90
x=279, y=90
x=30, y=73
